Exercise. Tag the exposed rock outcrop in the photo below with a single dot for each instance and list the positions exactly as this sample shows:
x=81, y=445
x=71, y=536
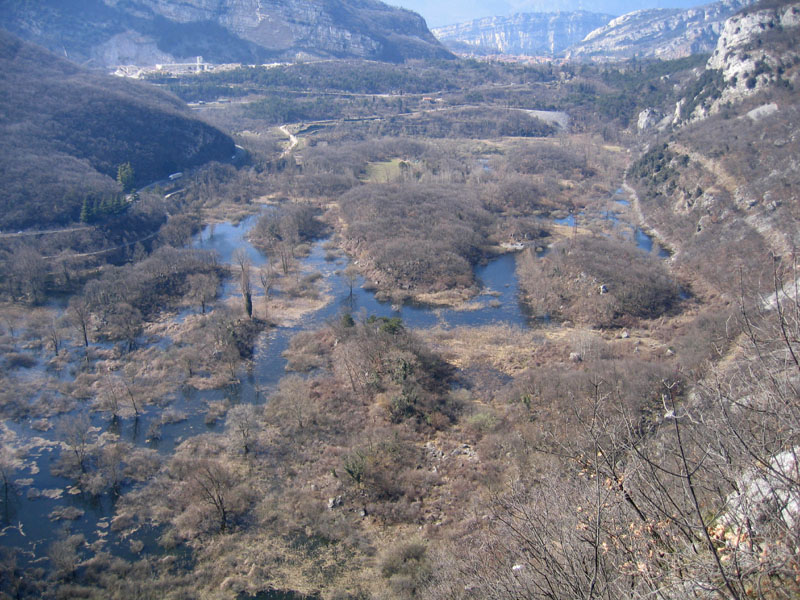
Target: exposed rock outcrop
x=521, y=34
x=106, y=33
x=658, y=33
x=757, y=48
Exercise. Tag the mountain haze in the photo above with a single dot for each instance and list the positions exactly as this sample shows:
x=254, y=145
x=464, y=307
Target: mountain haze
x=106, y=33
x=658, y=33
x=441, y=14
x=524, y=33
x=664, y=33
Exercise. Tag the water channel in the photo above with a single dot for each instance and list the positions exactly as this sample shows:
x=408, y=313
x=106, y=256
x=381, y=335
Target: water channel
x=29, y=523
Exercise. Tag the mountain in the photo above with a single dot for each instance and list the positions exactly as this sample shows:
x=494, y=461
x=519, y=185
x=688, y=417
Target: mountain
x=523, y=34
x=658, y=33
x=64, y=131
x=107, y=33
x=724, y=187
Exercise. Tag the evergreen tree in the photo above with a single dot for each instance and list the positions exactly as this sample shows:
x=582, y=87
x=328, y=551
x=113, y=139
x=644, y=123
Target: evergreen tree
x=86, y=210
x=125, y=177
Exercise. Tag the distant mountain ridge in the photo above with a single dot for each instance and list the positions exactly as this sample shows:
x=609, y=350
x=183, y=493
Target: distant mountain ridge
x=581, y=35
x=107, y=33
x=65, y=130
x=522, y=34
x=658, y=33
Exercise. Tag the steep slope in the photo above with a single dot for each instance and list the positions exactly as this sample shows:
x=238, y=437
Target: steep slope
x=724, y=189
x=659, y=33
x=523, y=34
x=64, y=131
x=107, y=33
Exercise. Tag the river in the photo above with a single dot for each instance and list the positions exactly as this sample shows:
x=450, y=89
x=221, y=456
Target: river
x=27, y=523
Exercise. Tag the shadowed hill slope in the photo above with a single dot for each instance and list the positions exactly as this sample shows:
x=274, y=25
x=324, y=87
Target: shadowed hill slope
x=65, y=131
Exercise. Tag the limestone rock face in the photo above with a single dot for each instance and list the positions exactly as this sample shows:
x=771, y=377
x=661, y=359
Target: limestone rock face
x=658, y=33
x=538, y=34
x=648, y=119
x=107, y=33
x=756, y=49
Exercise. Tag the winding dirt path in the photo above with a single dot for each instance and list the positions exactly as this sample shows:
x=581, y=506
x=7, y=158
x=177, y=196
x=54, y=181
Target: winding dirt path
x=293, y=140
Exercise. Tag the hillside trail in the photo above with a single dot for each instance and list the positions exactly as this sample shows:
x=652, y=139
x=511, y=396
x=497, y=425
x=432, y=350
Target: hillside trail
x=105, y=250
x=19, y=234
x=777, y=240
x=293, y=140
x=724, y=179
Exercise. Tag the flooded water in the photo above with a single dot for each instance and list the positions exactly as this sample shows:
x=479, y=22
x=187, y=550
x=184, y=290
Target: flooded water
x=643, y=240
x=28, y=520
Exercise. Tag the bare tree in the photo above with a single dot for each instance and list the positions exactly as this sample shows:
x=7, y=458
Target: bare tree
x=109, y=395
x=75, y=432
x=210, y=482
x=78, y=315
x=243, y=261
x=124, y=322
x=63, y=554
x=128, y=380
x=293, y=403
x=112, y=459
x=203, y=288
x=242, y=421
x=266, y=276
x=27, y=276
x=9, y=464
x=351, y=276
x=698, y=499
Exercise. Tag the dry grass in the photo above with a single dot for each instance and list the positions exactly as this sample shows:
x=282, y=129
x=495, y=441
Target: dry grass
x=287, y=312
x=231, y=212
x=508, y=349
x=458, y=299
x=383, y=172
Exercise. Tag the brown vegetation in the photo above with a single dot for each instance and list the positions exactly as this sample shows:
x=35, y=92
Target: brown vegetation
x=582, y=280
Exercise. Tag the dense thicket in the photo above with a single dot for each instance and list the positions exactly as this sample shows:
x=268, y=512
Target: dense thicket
x=424, y=237
x=66, y=131
x=583, y=279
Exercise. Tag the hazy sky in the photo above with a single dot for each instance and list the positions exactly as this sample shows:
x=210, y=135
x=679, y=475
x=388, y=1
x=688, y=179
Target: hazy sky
x=446, y=12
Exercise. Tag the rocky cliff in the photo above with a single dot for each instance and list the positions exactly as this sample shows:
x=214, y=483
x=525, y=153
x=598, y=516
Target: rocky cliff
x=658, y=33
x=757, y=49
x=107, y=33
x=523, y=34
x=724, y=187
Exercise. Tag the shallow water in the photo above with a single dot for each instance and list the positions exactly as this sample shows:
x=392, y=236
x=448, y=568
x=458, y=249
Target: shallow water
x=26, y=518
x=26, y=524
x=643, y=240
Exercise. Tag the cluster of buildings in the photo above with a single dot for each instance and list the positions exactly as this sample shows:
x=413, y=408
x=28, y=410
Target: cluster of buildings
x=198, y=66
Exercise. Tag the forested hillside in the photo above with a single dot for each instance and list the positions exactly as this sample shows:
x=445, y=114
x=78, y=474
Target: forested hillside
x=66, y=131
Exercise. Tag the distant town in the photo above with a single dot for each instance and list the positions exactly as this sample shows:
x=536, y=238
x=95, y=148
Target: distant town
x=198, y=66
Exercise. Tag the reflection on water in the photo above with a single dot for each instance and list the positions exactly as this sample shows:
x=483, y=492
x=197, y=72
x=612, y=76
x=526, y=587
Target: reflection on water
x=643, y=240
x=27, y=524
